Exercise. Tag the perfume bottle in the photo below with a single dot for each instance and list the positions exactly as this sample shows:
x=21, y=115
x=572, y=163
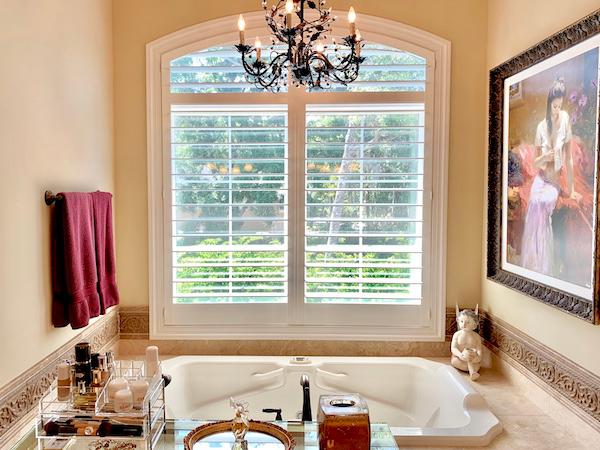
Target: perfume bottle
x=110, y=363
x=84, y=399
x=103, y=366
x=96, y=381
x=83, y=363
x=63, y=382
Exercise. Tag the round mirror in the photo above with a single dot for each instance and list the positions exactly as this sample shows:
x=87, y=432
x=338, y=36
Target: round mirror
x=218, y=435
x=225, y=440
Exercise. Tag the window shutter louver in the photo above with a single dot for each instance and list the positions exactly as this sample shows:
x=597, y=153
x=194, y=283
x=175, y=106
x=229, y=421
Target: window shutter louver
x=229, y=181
x=364, y=204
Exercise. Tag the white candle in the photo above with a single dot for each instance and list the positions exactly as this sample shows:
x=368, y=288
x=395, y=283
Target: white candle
x=139, y=389
x=152, y=361
x=241, y=27
x=289, y=8
x=258, y=46
x=123, y=401
x=352, y=21
x=118, y=384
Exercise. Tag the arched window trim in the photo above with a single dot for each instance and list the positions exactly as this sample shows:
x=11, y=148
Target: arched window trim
x=158, y=55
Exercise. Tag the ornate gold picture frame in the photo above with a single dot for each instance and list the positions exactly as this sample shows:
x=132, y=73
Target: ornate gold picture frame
x=543, y=171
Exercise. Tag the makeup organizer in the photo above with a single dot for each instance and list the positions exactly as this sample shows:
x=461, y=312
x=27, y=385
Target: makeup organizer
x=103, y=420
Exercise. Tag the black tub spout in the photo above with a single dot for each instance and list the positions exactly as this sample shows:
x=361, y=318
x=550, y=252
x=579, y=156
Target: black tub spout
x=306, y=411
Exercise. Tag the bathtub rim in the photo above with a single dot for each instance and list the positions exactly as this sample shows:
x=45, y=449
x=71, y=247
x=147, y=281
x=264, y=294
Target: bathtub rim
x=482, y=428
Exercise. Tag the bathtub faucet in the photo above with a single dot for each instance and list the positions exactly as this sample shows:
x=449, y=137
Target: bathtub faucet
x=306, y=412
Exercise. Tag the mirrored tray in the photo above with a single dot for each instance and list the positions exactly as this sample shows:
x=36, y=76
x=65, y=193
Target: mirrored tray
x=218, y=435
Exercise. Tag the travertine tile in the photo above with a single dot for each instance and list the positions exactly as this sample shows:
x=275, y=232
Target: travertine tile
x=287, y=348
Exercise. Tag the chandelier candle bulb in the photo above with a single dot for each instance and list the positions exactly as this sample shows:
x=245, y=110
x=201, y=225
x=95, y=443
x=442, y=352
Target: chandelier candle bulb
x=357, y=45
x=352, y=21
x=289, y=8
x=241, y=27
x=319, y=48
x=258, y=46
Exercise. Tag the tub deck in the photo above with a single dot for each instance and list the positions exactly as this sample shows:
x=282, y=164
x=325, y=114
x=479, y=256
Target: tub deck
x=424, y=402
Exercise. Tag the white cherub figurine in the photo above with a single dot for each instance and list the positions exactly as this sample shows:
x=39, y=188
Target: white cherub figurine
x=466, y=347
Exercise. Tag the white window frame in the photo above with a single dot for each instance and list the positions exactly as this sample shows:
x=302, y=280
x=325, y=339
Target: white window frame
x=425, y=324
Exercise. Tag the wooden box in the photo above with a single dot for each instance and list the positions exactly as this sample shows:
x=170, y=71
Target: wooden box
x=344, y=422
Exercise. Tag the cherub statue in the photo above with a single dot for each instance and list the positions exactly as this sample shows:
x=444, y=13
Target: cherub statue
x=240, y=424
x=467, y=347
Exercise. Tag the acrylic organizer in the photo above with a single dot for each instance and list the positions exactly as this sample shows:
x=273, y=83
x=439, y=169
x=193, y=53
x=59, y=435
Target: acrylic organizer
x=79, y=423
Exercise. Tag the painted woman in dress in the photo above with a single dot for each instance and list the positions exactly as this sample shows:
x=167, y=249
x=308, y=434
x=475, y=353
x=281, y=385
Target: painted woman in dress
x=553, y=153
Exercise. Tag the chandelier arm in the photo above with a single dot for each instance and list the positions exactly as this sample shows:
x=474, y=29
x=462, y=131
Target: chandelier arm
x=277, y=31
x=254, y=69
x=351, y=59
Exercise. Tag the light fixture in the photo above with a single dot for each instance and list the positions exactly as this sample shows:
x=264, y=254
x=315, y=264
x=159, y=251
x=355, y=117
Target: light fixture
x=308, y=59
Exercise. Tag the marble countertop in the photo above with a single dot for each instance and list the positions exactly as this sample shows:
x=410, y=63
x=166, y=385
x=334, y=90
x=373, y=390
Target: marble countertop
x=531, y=418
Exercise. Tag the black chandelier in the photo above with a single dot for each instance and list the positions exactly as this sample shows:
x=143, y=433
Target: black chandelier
x=305, y=58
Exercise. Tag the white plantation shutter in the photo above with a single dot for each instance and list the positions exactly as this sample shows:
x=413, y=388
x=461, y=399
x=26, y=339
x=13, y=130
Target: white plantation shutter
x=297, y=214
x=386, y=69
x=214, y=70
x=218, y=70
x=229, y=182
x=364, y=175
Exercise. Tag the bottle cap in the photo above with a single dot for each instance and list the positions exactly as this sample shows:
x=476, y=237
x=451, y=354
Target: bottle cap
x=82, y=352
x=152, y=353
x=64, y=371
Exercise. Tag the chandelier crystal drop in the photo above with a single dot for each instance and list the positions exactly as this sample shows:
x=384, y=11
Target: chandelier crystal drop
x=309, y=59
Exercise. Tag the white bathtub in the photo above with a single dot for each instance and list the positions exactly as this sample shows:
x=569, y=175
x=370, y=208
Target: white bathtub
x=424, y=402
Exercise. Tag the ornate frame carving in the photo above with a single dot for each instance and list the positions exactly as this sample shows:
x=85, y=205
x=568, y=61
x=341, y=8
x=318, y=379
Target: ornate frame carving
x=577, y=306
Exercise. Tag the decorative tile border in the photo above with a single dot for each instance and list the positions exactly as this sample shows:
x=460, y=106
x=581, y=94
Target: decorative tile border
x=19, y=397
x=134, y=322
x=570, y=383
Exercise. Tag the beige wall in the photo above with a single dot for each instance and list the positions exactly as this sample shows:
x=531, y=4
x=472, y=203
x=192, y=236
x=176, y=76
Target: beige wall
x=463, y=22
x=56, y=132
x=514, y=26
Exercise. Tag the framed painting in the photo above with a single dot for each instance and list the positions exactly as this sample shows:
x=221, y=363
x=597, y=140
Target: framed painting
x=543, y=171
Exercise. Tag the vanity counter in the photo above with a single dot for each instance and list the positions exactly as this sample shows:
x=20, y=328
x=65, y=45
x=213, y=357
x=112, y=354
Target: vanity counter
x=304, y=434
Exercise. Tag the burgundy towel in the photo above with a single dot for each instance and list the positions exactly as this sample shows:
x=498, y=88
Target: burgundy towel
x=105, y=255
x=74, y=276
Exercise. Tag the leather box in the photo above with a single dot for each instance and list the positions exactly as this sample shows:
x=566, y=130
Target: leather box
x=344, y=422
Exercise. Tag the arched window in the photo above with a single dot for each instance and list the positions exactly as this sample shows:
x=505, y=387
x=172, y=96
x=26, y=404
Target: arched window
x=297, y=214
